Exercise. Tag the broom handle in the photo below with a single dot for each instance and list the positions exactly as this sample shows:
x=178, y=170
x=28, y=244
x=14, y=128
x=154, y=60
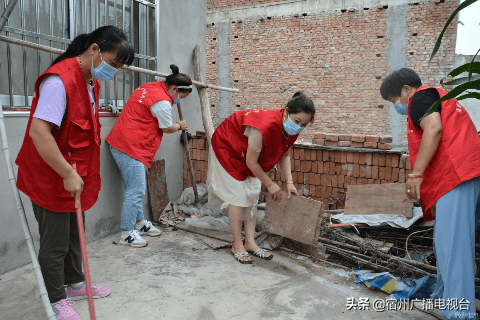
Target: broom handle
x=83, y=247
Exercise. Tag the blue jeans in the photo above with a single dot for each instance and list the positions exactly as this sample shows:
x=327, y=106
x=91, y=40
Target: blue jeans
x=457, y=217
x=133, y=175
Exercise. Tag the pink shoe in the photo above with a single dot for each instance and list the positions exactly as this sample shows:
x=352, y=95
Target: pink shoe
x=78, y=294
x=64, y=311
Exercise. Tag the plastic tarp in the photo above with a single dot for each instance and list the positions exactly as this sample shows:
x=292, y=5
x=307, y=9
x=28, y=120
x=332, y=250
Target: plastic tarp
x=396, y=221
x=398, y=288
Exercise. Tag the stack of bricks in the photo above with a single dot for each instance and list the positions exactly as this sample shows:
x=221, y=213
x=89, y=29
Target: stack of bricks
x=353, y=140
x=320, y=173
x=199, y=155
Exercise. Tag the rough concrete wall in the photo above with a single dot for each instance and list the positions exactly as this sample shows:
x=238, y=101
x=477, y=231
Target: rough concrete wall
x=182, y=27
x=337, y=52
x=224, y=109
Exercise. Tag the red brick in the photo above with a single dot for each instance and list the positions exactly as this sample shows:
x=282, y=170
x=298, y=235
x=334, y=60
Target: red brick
x=362, y=181
x=297, y=165
x=371, y=145
x=385, y=146
x=292, y=163
x=329, y=191
x=402, y=161
x=201, y=144
x=314, y=166
x=319, y=155
x=356, y=156
x=317, y=179
x=349, y=157
x=344, y=137
x=307, y=154
x=302, y=166
x=377, y=181
x=319, y=135
x=368, y=173
x=306, y=179
x=320, y=142
x=346, y=181
x=343, y=157
x=341, y=181
x=344, y=143
x=369, y=138
x=385, y=139
x=302, y=154
x=368, y=158
x=361, y=158
x=337, y=156
x=334, y=181
x=363, y=171
x=381, y=173
x=190, y=144
x=326, y=155
x=388, y=173
x=318, y=193
x=296, y=153
x=356, y=170
x=344, y=169
x=408, y=164
x=300, y=177
x=319, y=166
x=371, y=181
x=328, y=180
x=203, y=177
x=313, y=155
x=331, y=137
x=332, y=168
x=331, y=143
x=294, y=176
x=375, y=159
x=395, y=160
x=338, y=168
x=358, y=138
x=395, y=174
x=353, y=180
x=356, y=144
x=388, y=160
x=381, y=160
x=350, y=169
x=326, y=167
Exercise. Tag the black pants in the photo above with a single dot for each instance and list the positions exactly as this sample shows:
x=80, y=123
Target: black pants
x=60, y=256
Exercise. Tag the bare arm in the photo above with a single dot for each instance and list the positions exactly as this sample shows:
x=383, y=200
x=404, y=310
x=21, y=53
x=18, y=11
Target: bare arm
x=432, y=133
x=286, y=167
x=180, y=125
x=47, y=148
x=252, y=164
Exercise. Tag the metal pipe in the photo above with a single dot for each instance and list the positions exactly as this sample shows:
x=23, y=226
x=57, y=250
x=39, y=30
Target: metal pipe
x=6, y=13
x=131, y=68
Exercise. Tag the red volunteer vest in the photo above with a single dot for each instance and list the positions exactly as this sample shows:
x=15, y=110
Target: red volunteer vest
x=230, y=144
x=78, y=139
x=136, y=132
x=457, y=158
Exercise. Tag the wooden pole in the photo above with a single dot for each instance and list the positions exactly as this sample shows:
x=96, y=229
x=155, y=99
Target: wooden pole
x=202, y=93
x=199, y=84
x=187, y=150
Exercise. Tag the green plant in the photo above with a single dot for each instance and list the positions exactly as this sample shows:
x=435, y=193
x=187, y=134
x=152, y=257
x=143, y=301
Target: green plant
x=463, y=84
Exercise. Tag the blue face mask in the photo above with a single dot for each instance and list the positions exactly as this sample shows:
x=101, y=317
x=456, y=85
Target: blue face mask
x=291, y=128
x=401, y=109
x=176, y=101
x=104, y=71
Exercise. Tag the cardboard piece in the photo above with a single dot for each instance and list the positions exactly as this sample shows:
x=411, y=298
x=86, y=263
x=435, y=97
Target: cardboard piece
x=297, y=218
x=157, y=188
x=388, y=198
x=215, y=234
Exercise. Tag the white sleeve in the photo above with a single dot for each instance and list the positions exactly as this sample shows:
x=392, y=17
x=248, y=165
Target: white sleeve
x=162, y=110
x=254, y=138
x=52, y=100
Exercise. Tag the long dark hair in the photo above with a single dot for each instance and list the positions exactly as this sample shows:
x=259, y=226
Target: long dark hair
x=300, y=102
x=178, y=79
x=108, y=39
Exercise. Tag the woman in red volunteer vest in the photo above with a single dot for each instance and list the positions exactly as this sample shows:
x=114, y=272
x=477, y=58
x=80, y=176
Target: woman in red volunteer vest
x=64, y=129
x=134, y=141
x=445, y=155
x=245, y=147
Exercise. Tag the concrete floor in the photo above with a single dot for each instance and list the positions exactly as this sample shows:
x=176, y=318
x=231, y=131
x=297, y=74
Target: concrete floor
x=178, y=277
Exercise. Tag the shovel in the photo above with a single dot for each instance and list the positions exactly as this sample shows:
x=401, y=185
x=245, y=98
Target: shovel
x=83, y=247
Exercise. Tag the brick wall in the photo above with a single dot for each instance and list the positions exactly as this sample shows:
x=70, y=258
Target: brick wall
x=225, y=4
x=321, y=172
x=336, y=57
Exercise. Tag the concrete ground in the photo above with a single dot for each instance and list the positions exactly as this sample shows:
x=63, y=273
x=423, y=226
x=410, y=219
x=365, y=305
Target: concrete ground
x=178, y=277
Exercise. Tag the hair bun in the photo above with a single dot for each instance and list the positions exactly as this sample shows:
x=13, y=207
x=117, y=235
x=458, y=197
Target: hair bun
x=174, y=69
x=297, y=94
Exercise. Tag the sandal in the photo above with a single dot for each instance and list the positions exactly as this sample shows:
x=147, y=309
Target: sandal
x=261, y=254
x=240, y=255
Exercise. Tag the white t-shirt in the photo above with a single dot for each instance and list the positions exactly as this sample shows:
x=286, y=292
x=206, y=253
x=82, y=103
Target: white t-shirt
x=52, y=101
x=162, y=110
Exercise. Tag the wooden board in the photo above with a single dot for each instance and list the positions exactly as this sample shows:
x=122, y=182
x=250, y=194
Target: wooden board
x=215, y=234
x=388, y=198
x=296, y=218
x=157, y=188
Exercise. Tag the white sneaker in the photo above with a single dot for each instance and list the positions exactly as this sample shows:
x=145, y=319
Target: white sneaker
x=132, y=238
x=146, y=228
